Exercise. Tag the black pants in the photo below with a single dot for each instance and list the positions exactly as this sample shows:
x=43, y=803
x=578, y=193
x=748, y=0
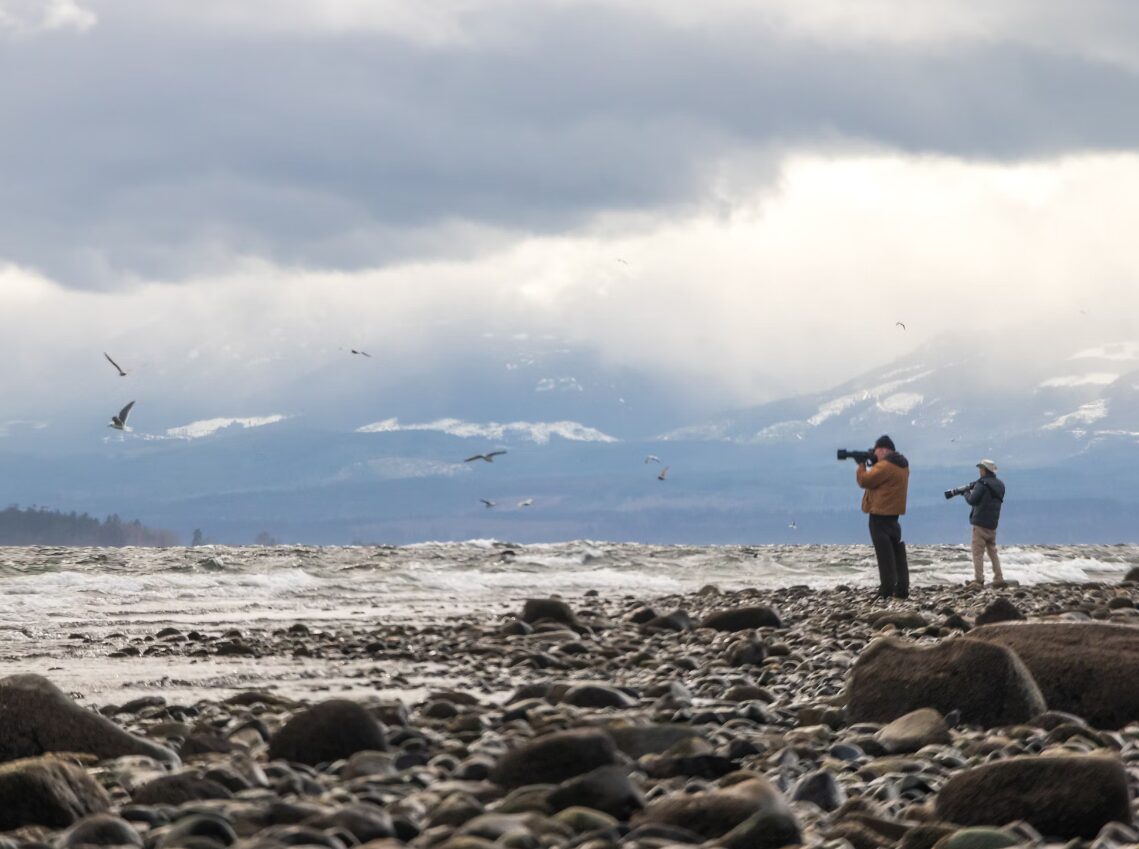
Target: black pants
x=893, y=569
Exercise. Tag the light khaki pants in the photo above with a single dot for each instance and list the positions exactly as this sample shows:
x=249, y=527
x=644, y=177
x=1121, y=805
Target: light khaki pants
x=985, y=539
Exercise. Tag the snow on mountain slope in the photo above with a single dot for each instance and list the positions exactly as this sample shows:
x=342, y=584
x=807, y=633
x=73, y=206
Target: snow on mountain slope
x=538, y=432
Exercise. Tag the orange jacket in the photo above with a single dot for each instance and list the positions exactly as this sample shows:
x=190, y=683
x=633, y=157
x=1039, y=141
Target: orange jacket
x=886, y=484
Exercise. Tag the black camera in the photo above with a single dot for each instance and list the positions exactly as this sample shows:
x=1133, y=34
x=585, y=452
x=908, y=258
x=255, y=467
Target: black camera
x=961, y=490
x=860, y=457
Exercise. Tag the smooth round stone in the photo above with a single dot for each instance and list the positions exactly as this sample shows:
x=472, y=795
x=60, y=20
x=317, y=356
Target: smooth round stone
x=978, y=838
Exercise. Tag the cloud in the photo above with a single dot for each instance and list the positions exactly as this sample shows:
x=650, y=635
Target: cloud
x=26, y=18
x=176, y=138
x=788, y=291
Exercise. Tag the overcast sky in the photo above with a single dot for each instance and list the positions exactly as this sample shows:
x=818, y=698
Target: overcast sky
x=737, y=195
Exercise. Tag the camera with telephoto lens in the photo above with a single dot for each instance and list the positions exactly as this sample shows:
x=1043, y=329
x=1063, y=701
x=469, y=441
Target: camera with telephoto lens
x=961, y=490
x=860, y=457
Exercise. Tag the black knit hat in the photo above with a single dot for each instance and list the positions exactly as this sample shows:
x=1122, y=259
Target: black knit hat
x=884, y=442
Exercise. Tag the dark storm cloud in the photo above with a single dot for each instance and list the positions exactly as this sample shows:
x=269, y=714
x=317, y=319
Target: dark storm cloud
x=137, y=149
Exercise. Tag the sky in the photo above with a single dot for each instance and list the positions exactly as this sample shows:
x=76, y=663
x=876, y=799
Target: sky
x=738, y=198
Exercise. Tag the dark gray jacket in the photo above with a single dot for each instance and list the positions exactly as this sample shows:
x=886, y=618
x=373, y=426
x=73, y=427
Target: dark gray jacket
x=986, y=497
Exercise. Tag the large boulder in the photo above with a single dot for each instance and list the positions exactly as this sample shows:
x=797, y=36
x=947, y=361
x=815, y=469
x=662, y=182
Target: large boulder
x=1090, y=669
x=550, y=609
x=49, y=792
x=37, y=718
x=1060, y=796
x=922, y=727
x=987, y=683
x=639, y=740
x=327, y=732
x=753, y=806
x=555, y=757
x=742, y=619
x=178, y=789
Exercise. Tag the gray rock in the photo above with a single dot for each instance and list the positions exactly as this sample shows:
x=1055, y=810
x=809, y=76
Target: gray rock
x=49, y=792
x=714, y=813
x=606, y=789
x=550, y=609
x=909, y=733
x=821, y=788
x=742, y=619
x=178, y=789
x=1132, y=575
x=37, y=717
x=555, y=757
x=987, y=683
x=100, y=830
x=363, y=822
x=639, y=740
x=327, y=732
x=1085, y=668
x=1000, y=610
x=597, y=696
x=1060, y=796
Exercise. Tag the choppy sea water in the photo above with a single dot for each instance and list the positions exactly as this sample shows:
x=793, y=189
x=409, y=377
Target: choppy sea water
x=47, y=595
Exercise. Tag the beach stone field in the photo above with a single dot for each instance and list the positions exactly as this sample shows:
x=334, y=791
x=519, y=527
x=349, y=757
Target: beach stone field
x=961, y=718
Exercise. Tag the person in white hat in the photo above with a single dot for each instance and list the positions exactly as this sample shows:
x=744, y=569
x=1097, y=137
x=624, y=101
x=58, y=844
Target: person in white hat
x=986, y=497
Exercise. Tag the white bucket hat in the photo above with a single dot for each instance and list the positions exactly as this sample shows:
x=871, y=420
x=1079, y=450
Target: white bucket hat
x=988, y=464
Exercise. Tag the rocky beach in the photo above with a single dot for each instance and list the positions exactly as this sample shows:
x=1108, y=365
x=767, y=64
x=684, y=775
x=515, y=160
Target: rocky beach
x=744, y=718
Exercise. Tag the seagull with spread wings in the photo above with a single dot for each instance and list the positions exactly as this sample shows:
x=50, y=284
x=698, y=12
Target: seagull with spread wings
x=525, y=502
x=488, y=502
x=652, y=458
x=116, y=365
x=663, y=474
x=119, y=422
x=488, y=456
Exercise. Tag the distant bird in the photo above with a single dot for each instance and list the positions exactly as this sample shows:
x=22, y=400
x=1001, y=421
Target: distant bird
x=525, y=502
x=652, y=458
x=793, y=526
x=119, y=422
x=899, y=324
x=663, y=473
x=361, y=353
x=623, y=262
x=488, y=504
x=116, y=365
x=489, y=456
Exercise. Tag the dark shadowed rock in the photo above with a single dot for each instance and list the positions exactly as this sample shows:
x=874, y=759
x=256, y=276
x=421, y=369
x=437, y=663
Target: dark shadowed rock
x=1059, y=796
x=550, y=609
x=327, y=732
x=742, y=619
x=987, y=683
x=1132, y=575
x=909, y=733
x=178, y=789
x=553, y=758
x=48, y=792
x=1001, y=610
x=746, y=652
x=605, y=789
x=678, y=620
x=363, y=822
x=37, y=717
x=1086, y=668
x=821, y=788
x=597, y=696
x=100, y=830
x=714, y=813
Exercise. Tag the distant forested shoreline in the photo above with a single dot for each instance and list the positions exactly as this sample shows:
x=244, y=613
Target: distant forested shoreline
x=41, y=526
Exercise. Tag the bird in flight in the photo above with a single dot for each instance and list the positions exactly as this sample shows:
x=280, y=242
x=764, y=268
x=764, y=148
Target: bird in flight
x=119, y=422
x=525, y=502
x=652, y=458
x=899, y=324
x=793, y=526
x=361, y=353
x=663, y=474
x=487, y=502
x=488, y=456
x=116, y=365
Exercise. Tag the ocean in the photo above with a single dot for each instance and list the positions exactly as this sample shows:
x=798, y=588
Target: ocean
x=64, y=610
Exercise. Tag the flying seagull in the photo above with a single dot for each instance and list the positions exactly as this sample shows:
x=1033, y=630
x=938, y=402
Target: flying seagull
x=489, y=456
x=663, y=474
x=793, y=526
x=488, y=504
x=116, y=365
x=361, y=353
x=525, y=502
x=119, y=422
x=899, y=324
x=652, y=458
